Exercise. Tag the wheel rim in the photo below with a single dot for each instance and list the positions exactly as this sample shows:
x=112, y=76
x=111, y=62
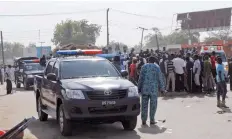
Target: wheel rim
x=25, y=85
x=61, y=120
x=39, y=108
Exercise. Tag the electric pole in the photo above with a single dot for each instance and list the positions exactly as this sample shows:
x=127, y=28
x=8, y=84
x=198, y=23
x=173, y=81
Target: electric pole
x=157, y=42
x=142, y=36
x=107, y=24
x=41, y=47
x=3, y=59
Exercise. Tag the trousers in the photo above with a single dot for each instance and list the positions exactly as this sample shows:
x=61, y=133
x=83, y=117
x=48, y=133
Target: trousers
x=197, y=79
x=144, y=107
x=8, y=86
x=221, y=90
x=171, y=77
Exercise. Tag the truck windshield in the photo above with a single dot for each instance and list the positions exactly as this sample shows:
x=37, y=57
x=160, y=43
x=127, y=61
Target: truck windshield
x=33, y=67
x=87, y=68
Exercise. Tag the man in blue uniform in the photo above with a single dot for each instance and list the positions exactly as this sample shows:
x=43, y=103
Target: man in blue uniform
x=150, y=81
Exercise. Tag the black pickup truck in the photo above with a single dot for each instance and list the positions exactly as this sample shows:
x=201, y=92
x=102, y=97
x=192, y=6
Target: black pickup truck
x=85, y=89
x=26, y=68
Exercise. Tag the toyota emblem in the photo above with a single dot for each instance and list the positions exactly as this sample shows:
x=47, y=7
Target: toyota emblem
x=107, y=92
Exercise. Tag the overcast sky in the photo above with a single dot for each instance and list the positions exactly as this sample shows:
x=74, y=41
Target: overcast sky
x=122, y=26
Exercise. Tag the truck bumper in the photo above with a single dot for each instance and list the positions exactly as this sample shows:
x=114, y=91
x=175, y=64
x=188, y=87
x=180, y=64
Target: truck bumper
x=94, y=109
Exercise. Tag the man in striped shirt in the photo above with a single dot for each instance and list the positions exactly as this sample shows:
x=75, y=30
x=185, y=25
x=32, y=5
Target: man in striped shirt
x=170, y=73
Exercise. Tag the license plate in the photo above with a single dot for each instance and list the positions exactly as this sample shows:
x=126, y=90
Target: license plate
x=108, y=102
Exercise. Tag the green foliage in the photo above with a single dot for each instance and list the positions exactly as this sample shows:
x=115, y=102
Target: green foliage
x=76, y=32
x=177, y=37
x=12, y=50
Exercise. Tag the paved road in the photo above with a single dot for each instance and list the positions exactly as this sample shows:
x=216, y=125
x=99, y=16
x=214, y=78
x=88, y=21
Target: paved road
x=188, y=117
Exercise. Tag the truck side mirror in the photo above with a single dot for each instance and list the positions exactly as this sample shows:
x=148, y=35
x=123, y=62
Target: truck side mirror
x=124, y=73
x=51, y=76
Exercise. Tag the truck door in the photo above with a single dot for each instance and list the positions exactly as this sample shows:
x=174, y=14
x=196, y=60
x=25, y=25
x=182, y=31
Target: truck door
x=46, y=86
x=54, y=86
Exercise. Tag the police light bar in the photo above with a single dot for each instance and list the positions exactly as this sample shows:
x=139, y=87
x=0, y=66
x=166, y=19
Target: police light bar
x=107, y=55
x=79, y=52
x=31, y=61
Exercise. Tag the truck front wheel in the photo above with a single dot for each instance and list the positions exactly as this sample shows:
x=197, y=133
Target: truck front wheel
x=42, y=115
x=65, y=124
x=130, y=123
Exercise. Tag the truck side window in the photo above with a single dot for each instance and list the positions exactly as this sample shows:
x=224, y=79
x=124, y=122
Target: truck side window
x=56, y=69
x=49, y=67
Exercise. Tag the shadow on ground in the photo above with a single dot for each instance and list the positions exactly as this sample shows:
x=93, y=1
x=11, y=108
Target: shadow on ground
x=173, y=95
x=22, y=89
x=153, y=129
x=50, y=130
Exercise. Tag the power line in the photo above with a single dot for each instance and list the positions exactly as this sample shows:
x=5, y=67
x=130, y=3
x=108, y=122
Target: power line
x=140, y=15
x=50, y=14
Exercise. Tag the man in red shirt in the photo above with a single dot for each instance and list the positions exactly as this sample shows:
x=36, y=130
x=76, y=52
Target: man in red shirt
x=213, y=62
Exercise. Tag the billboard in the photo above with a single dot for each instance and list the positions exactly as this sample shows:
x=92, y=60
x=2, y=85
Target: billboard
x=44, y=50
x=206, y=20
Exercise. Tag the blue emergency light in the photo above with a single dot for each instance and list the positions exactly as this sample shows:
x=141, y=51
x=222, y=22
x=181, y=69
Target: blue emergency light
x=69, y=52
x=107, y=55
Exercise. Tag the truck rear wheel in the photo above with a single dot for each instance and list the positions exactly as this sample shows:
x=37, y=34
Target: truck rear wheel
x=130, y=124
x=25, y=84
x=42, y=115
x=64, y=124
x=18, y=85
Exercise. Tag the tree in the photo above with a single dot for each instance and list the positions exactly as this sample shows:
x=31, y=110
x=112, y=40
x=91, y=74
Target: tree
x=12, y=50
x=219, y=35
x=118, y=46
x=32, y=45
x=76, y=32
x=177, y=37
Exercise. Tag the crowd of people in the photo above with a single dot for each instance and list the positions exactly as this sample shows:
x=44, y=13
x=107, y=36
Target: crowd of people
x=156, y=71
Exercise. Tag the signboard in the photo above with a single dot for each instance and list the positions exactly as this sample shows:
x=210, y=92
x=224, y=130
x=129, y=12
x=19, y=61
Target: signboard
x=44, y=50
x=206, y=20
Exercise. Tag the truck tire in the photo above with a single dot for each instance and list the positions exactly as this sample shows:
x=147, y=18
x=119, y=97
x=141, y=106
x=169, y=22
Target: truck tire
x=26, y=86
x=18, y=85
x=130, y=124
x=64, y=124
x=42, y=115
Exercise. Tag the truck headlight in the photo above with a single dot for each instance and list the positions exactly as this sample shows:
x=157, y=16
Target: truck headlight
x=73, y=94
x=133, y=92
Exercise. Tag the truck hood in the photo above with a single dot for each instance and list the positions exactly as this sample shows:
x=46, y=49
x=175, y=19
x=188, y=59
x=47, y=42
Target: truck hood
x=35, y=72
x=99, y=83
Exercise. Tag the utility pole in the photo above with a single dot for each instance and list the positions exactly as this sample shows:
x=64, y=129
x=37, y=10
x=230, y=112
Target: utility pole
x=157, y=42
x=3, y=59
x=189, y=33
x=142, y=36
x=41, y=46
x=107, y=24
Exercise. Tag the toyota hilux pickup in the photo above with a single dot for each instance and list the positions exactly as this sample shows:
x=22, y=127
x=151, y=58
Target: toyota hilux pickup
x=85, y=89
x=26, y=68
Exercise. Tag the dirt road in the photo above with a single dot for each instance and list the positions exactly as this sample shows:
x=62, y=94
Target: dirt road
x=188, y=117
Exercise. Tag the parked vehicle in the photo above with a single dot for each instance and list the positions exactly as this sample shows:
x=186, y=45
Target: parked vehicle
x=85, y=89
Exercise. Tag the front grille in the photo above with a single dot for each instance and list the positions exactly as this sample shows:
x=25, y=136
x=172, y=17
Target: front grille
x=103, y=110
x=99, y=95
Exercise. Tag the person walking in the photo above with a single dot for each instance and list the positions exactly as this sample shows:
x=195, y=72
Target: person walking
x=133, y=72
x=150, y=81
x=9, y=73
x=221, y=83
x=170, y=72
